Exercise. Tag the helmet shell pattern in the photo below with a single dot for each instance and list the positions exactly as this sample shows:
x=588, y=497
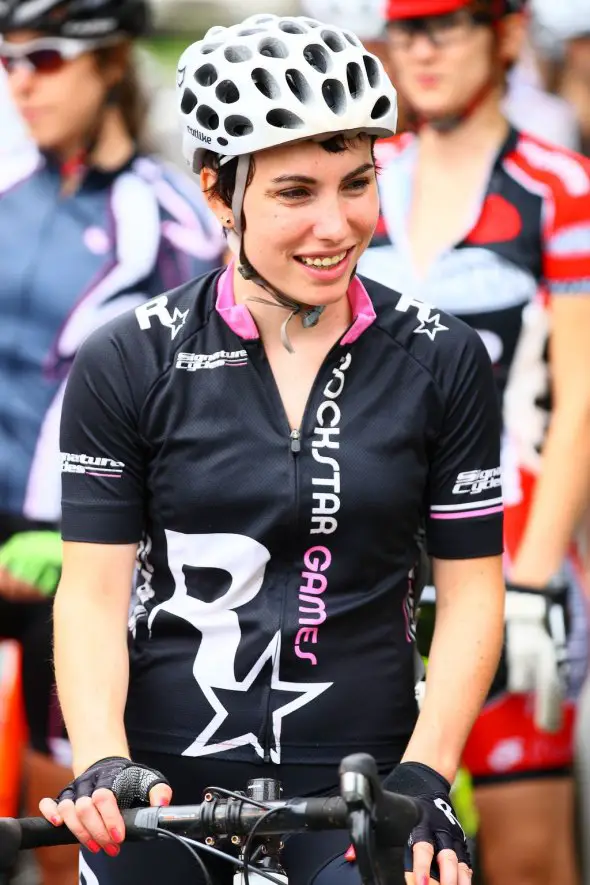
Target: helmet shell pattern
x=274, y=80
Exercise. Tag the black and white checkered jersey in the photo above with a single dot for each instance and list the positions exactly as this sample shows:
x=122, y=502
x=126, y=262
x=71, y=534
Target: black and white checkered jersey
x=274, y=612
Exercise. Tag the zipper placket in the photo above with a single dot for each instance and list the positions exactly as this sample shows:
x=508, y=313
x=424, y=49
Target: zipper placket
x=294, y=451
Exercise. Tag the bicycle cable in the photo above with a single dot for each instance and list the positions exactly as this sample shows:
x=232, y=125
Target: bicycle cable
x=165, y=833
x=248, y=846
x=240, y=796
x=186, y=840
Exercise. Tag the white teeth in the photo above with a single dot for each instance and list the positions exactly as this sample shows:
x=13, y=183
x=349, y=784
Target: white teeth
x=324, y=262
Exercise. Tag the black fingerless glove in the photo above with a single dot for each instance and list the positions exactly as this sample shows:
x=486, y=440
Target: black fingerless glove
x=130, y=782
x=439, y=825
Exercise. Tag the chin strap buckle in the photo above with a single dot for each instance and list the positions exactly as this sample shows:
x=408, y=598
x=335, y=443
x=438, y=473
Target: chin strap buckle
x=311, y=316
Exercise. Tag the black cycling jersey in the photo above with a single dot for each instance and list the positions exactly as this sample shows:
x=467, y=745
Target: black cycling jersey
x=273, y=617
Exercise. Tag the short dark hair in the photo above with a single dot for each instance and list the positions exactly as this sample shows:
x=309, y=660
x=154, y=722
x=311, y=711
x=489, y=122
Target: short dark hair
x=224, y=185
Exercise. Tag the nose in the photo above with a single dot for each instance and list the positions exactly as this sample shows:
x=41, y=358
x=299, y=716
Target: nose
x=332, y=222
x=422, y=48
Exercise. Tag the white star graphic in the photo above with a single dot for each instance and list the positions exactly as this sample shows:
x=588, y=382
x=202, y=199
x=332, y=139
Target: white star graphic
x=307, y=691
x=175, y=326
x=426, y=327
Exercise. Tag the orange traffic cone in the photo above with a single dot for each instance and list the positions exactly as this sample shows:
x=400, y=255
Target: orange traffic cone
x=13, y=731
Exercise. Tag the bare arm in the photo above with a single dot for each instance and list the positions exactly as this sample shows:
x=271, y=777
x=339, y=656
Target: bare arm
x=563, y=487
x=464, y=656
x=91, y=658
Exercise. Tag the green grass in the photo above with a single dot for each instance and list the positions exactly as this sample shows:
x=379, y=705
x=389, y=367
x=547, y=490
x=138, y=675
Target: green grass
x=167, y=50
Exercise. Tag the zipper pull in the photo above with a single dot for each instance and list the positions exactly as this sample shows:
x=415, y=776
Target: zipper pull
x=295, y=438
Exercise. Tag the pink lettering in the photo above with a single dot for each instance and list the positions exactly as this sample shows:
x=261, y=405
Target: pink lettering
x=315, y=565
x=312, y=608
x=316, y=608
x=306, y=634
x=314, y=583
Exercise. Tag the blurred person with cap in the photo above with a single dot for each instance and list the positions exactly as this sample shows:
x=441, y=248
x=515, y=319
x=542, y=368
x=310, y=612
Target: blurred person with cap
x=492, y=224
x=90, y=225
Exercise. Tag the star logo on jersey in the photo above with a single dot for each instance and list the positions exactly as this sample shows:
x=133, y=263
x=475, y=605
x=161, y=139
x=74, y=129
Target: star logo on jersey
x=230, y=700
x=157, y=308
x=177, y=321
x=431, y=327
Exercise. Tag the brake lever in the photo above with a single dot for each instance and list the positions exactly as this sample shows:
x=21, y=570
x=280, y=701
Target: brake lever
x=356, y=790
x=371, y=819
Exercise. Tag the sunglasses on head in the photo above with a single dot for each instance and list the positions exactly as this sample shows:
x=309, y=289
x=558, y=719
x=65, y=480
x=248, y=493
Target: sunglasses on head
x=46, y=55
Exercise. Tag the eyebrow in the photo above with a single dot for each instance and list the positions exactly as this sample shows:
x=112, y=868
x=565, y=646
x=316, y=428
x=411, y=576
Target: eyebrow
x=306, y=179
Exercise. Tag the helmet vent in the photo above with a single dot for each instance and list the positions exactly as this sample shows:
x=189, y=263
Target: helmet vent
x=207, y=118
x=227, y=92
x=206, y=75
x=381, y=108
x=189, y=102
x=247, y=32
x=273, y=48
x=333, y=41
x=372, y=69
x=292, y=27
x=238, y=53
x=352, y=38
x=355, y=79
x=334, y=96
x=209, y=48
x=297, y=84
x=237, y=126
x=284, y=119
x=266, y=83
x=316, y=56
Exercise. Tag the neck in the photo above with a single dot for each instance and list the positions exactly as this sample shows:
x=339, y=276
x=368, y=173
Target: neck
x=112, y=148
x=485, y=125
x=269, y=318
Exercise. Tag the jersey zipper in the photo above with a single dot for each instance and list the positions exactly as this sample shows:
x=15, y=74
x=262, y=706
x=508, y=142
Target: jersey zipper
x=294, y=450
x=294, y=440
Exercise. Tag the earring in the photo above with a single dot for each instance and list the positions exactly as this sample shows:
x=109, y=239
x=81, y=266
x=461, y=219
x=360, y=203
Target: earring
x=228, y=222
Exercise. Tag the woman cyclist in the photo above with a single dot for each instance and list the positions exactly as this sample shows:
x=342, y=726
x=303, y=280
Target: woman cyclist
x=89, y=226
x=493, y=225
x=274, y=436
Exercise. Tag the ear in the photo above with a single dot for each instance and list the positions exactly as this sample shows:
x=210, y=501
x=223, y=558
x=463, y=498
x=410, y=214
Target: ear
x=512, y=32
x=208, y=178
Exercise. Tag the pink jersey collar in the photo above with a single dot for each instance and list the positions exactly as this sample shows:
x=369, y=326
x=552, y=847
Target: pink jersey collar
x=240, y=321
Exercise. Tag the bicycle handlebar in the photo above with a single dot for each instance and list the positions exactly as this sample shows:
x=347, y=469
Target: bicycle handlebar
x=392, y=817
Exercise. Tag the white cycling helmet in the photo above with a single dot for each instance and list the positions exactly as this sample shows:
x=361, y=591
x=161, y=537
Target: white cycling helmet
x=366, y=18
x=273, y=80
x=563, y=21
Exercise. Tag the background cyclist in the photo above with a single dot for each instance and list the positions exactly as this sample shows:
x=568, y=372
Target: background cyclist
x=284, y=399
x=89, y=227
x=487, y=223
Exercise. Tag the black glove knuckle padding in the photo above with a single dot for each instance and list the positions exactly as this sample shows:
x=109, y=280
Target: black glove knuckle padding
x=129, y=781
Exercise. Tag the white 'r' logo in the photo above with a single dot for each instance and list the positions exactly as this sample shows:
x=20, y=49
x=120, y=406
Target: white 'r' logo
x=244, y=559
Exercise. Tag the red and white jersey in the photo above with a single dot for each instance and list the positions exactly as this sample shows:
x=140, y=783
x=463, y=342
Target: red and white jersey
x=528, y=241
